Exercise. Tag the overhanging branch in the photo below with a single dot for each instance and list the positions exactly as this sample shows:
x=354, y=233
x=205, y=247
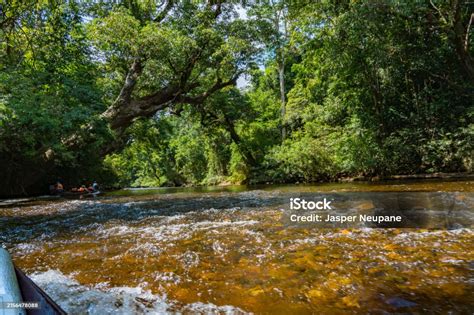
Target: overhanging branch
x=200, y=98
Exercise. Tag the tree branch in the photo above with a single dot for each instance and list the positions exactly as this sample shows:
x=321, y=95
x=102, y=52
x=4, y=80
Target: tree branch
x=439, y=12
x=200, y=98
x=466, y=40
x=161, y=16
x=465, y=58
x=125, y=94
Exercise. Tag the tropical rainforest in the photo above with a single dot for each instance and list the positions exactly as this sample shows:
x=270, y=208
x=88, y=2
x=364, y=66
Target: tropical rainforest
x=169, y=93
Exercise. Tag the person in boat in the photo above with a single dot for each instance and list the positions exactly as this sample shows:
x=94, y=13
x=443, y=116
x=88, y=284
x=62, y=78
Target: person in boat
x=95, y=186
x=59, y=187
x=82, y=189
x=90, y=188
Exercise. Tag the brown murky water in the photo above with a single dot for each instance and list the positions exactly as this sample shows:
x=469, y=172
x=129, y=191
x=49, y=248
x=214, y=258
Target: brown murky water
x=226, y=250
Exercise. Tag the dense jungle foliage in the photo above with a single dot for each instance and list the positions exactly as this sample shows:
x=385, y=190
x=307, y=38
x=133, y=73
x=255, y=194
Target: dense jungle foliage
x=153, y=93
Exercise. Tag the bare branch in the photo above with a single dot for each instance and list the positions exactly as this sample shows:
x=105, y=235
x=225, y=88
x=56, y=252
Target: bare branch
x=466, y=40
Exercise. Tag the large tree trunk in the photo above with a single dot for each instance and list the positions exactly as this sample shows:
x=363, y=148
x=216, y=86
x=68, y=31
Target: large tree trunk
x=461, y=39
x=121, y=114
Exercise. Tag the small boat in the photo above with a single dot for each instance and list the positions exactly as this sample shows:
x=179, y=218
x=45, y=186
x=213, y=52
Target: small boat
x=19, y=294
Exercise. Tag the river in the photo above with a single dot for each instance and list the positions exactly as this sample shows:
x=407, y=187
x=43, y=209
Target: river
x=228, y=250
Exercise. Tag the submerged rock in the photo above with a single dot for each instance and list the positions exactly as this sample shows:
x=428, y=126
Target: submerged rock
x=398, y=302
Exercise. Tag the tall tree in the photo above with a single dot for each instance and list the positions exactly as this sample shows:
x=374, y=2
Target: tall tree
x=153, y=55
x=273, y=20
x=181, y=54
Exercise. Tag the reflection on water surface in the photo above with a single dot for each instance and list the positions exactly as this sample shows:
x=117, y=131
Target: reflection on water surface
x=226, y=250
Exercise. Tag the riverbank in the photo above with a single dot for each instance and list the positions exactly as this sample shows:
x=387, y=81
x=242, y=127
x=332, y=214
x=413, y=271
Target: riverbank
x=442, y=176
x=344, y=179
x=369, y=179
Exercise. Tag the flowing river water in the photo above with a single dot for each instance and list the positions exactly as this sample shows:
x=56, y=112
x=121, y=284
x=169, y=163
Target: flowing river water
x=227, y=250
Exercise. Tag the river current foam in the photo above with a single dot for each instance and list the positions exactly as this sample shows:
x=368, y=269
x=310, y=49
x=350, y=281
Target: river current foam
x=78, y=299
